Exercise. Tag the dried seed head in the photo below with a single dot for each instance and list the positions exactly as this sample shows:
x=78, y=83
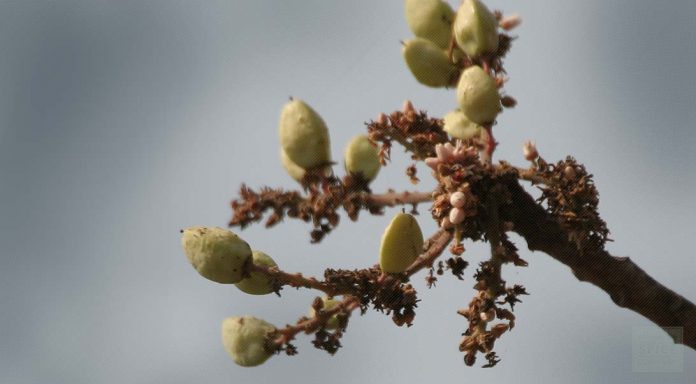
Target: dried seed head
x=478, y=96
x=428, y=63
x=258, y=283
x=244, y=339
x=430, y=19
x=303, y=135
x=216, y=253
x=475, y=28
x=362, y=158
x=402, y=242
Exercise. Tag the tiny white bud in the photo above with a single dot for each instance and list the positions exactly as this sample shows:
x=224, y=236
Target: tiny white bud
x=457, y=199
x=407, y=107
x=488, y=315
x=530, y=151
x=456, y=215
x=510, y=22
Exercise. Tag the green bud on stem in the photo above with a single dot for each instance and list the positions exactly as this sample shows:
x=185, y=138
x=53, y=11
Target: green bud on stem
x=216, y=253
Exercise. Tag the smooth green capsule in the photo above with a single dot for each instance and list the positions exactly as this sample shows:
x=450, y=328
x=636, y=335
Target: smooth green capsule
x=294, y=170
x=475, y=28
x=402, y=242
x=460, y=127
x=329, y=304
x=244, y=338
x=428, y=63
x=430, y=19
x=477, y=95
x=303, y=135
x=362, y=158
x=216, y=253
x=258, y=283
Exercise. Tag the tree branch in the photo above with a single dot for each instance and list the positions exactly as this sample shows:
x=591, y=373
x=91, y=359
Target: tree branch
x=625, y=282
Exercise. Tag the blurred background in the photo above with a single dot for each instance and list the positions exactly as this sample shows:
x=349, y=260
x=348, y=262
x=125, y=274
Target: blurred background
x=122, y=122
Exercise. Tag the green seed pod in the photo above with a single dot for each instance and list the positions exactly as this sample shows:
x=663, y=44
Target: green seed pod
x=475, y=28
x=244, y=339
x=294, y=170
x=402, y=242
x=478, y=96
x=303, y=135
x=329, y=304
x=459, y=127
x=258, y=283
x=430, y=19
x=216, y=253
x=362, y=158
x=428, y=63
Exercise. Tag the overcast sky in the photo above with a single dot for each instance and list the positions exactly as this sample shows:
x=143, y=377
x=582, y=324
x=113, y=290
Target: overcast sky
x=123, y=121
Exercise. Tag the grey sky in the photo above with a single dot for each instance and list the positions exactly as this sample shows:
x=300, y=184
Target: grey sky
x=122, y=122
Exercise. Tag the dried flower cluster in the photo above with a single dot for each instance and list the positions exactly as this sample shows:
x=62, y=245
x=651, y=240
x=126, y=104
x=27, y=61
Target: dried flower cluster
x=475, y=200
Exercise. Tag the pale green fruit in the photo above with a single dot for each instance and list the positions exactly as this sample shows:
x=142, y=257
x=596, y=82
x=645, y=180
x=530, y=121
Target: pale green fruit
x=402, y=242
x=244, y=339
x=362, y=158
x=430, y=19
x=294, y=170
x=329, y=304
x=478, y=96
x=428, y=63
x=258, y=283
x=459, y=127
x=475, y=28
x=303, y=135
x=216, y=253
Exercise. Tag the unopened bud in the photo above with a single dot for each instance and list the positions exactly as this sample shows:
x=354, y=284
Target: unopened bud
x=382, y=119
x=457, y=199
x=510, y=22
x=487, y=316
x=569, y=173
x=530, y=151
x=457, y=215
x=407, y=107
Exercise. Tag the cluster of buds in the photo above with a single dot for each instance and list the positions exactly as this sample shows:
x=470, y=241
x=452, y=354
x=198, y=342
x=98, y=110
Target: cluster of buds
x=451, y=154
x=461, y=204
